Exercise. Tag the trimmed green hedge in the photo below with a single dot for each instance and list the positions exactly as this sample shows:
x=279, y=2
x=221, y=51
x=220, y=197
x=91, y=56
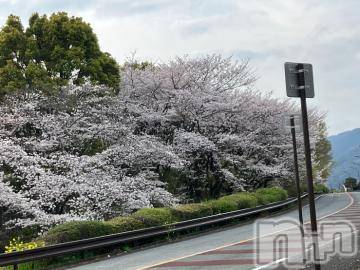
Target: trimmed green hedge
x=270, y=195
x=148, y=217
x=243, y=200
x=191, y=211
x=154, y=216
x=124, y=224
x=233, y=202
x=76, y=230
x=222, y=205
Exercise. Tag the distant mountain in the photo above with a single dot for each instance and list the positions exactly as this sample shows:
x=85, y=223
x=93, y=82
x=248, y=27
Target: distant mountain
x=346, y=154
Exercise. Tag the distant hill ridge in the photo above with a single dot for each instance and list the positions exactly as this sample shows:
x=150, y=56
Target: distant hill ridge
x=346, y=154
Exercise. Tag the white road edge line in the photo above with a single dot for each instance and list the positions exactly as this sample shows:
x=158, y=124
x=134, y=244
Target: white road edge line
x=283, y=259
x=310, y=248
x=270, y=264
x=307, y=249
x=243, y=241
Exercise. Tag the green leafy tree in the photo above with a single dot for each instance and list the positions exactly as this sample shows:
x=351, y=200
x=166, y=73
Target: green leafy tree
x=322, y=156
x=351, y=183
x=51, y=52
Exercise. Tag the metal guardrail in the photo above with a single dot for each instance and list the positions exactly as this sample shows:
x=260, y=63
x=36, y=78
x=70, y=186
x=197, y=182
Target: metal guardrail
x=126, y=237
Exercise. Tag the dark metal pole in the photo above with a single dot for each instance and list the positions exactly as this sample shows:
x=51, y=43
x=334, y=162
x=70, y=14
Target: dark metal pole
x=297, y=182
x=309, y=172
x=296, y=172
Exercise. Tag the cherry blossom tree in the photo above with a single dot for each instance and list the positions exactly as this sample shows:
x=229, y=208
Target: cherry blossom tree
x=186, y=130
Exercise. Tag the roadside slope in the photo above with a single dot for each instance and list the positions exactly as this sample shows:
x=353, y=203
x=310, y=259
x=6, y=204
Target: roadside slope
x=326, y=205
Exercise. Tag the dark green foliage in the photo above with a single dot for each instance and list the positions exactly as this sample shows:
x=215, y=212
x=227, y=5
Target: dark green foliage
x=50, y=52
x=351, y=183
x=191, y=211
x=322, y=155
x=173, y=178
x=270, y=195
x=292, y=191
x=76, y=230
x=139, y=65
x=154, y=216
x=26, y=234
x=124, y=224
x=204, y=179
x=27, y=130
x=14, y=181
x=93, y=146
x=320, y=188
x=35, y=265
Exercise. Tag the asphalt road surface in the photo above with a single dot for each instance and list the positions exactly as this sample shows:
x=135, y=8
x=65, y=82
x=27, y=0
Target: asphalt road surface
x=231, y=248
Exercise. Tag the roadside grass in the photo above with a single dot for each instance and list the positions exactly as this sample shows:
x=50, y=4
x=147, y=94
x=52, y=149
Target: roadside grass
x=320, y=188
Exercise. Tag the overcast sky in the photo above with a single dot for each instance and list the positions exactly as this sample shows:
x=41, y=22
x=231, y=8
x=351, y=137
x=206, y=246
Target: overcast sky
x=325, y=33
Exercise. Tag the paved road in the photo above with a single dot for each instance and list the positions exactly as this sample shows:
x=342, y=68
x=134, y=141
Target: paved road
x=348, y=242
x=227, y=249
